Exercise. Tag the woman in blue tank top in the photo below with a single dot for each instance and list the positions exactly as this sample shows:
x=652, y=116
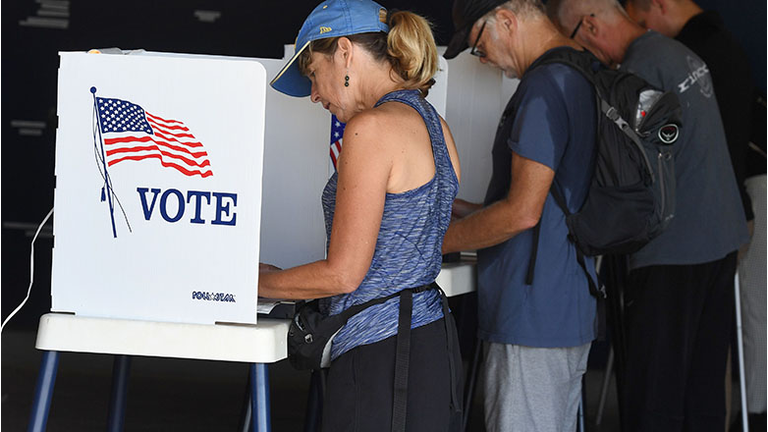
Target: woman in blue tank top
x=386, y=211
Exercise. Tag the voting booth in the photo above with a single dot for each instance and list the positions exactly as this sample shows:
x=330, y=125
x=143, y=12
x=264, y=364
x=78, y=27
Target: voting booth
x=158, y=187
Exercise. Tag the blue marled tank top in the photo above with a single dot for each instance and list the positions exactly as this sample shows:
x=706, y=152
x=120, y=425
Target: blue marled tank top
x=408, y=249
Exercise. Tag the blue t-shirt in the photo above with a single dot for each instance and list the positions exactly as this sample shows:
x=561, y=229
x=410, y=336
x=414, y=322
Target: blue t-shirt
x=709, y=220
x=553, y=118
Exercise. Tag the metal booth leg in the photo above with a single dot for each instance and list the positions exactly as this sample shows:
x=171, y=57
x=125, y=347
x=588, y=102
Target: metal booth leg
x=260, y=397
x=44, y=391
x=246, y=413
x=117, y=402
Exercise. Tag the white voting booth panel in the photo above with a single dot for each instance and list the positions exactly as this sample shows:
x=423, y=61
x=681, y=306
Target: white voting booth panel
x=295, y=171
x=476, y=97
x=157, y=214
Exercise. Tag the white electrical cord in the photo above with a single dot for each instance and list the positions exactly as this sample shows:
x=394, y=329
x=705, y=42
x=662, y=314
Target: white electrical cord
x=31, y=271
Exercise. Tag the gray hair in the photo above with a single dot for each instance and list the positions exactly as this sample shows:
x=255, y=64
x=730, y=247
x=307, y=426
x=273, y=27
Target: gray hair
x=562, y=12
x=521, y=8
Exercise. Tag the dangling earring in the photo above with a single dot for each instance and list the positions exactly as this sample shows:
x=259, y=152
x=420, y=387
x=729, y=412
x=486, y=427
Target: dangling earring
x=346, y=80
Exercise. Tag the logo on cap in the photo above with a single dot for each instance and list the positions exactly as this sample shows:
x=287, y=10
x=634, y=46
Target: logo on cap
x=668, y=133
x=325, y=29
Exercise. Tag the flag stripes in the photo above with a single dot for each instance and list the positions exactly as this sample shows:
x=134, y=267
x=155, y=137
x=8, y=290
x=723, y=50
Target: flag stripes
x=130, y=133
x=335, y=150
x=337, y=135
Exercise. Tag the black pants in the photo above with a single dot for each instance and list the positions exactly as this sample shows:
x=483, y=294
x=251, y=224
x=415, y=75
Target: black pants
x=359, y=391
x=678, y=332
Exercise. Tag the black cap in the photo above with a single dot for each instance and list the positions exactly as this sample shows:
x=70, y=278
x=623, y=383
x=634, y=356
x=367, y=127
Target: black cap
x=465, y=13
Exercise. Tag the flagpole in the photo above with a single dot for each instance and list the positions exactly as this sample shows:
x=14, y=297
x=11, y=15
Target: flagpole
x=107, y=182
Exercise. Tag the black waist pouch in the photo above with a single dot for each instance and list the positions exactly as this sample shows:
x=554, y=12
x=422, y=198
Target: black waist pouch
x=311, y=332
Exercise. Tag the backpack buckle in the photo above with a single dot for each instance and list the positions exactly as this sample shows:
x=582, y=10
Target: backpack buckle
x=612, y=114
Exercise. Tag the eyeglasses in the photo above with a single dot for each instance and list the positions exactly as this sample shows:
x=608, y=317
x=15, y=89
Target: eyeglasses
x=474, y=51
x=576, y=30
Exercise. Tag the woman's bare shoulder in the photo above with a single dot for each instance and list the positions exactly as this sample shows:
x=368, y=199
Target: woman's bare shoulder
x=381, y=124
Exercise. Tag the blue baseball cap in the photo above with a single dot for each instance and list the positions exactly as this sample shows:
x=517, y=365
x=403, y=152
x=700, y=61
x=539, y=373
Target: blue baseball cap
x=331, y=18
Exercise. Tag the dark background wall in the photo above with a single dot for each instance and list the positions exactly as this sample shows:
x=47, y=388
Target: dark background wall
x=747, y=21
x=34, y=31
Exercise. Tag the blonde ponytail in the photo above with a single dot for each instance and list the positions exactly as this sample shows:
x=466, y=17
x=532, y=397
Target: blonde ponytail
x=411, y=50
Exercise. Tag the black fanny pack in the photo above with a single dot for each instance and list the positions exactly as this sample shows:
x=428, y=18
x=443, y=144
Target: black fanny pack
x=311, y=332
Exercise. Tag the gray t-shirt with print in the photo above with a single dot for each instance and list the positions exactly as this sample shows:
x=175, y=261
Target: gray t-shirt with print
x=709, y=219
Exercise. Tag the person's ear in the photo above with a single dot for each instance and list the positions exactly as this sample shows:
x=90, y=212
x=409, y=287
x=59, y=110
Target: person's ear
x=344, y=50
x=591, y=25
x=507, y=20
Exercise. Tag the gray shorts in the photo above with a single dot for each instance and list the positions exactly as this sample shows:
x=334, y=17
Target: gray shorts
x=530, y=389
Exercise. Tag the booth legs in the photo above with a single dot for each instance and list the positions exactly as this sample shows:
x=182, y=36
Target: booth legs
x=260, y=398
x=120, y=372
x=44, y=391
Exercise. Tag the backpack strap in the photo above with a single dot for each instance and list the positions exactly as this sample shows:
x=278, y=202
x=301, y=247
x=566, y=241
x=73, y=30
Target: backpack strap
x=582, y=62
x=596, y=288
x=534, y=253
x=614, y=116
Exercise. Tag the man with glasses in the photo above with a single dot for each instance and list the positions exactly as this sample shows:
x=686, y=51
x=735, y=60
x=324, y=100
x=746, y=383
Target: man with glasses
x=536, y=333
x=679, y=294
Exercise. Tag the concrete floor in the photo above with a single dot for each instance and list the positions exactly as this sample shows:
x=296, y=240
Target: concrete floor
x=168, y=395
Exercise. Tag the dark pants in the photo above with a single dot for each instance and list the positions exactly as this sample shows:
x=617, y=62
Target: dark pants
x=678, y=332
x=360, y=385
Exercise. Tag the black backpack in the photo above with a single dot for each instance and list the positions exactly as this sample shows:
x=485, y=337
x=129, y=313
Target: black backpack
x=632, y=195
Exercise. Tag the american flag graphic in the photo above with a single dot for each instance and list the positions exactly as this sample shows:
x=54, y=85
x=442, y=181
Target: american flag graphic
x=130, y=133
x=337, y=133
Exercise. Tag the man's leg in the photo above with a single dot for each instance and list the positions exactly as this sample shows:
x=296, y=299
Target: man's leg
x=665, y=309
x=705, y=393
x=532, y=389
x=660, y=314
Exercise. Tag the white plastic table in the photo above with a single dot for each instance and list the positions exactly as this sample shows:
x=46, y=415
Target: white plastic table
x=458, y=278
x=260, y=344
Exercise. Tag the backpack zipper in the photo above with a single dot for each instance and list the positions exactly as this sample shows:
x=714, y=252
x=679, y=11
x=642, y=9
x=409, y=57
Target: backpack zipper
x=660, y=161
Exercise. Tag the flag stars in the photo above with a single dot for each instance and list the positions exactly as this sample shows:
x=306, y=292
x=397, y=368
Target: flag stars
x=122, y=116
